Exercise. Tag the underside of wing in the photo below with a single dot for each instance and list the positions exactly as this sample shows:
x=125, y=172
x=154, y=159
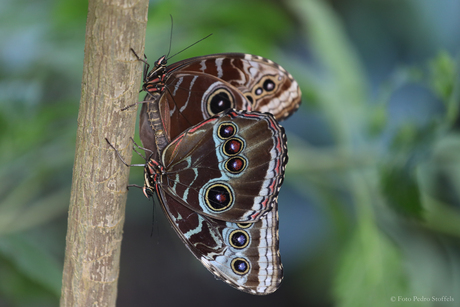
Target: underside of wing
x=246, y=256
x=231, y=177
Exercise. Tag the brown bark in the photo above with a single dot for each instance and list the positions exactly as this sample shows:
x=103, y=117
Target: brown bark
x=111, y=79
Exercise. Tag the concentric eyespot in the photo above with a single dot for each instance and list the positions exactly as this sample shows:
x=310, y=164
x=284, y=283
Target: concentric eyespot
x=249, y=97
x=218, y=197
x=269, y=85
x=266, y=85
x=239, y=239
x=240, y=266
x=219, y=101
x=226, y=130
x=233, y=147
x=235, y=165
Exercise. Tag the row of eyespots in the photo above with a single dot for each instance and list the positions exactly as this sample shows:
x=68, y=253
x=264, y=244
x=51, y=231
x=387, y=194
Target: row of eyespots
x=239, y=239
x=267, y=86
x=232, y=147
x=218, y=196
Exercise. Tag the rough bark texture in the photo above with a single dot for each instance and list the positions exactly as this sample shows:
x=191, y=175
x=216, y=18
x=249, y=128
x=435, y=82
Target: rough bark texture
x=111, y=80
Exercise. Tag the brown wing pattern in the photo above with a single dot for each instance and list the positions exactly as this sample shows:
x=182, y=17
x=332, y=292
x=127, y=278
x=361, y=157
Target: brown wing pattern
x=246, y=256
x=236, y=240
x=195, y=89
x=234, y=178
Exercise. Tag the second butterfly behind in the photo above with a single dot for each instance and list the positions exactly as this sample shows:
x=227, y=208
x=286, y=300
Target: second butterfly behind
x=189, y=91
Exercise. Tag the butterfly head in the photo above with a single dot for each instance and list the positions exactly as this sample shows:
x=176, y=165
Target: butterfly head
x=161, y=62
x=151, y=172
x=159, y=68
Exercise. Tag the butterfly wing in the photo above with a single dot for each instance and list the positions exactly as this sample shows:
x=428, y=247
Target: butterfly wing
x=246, y=256
x=267, y=85
x=229, y=167
x=192, y=98
x=198, y=88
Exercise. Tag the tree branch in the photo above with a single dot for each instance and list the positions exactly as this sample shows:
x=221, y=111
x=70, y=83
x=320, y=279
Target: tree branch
x=111, y=79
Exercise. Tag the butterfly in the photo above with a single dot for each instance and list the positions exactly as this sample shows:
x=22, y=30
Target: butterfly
x=218, y=183
x=189, y=91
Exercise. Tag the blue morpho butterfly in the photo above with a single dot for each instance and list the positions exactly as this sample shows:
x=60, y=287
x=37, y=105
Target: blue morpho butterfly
x=217, y=171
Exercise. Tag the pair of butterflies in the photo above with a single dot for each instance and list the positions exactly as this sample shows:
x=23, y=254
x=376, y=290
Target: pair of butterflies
x=217, y=171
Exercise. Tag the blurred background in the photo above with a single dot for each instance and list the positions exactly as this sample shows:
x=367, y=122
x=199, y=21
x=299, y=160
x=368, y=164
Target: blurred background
x=370, y=208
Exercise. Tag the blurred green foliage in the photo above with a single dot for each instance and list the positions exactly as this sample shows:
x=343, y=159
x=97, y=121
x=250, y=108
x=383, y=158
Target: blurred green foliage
x=374, y=149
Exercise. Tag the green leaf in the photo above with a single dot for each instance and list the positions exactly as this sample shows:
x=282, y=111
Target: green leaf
x=343, y=92
x=439, y=178
x=445, y=81
x=332, y=46
x=401, y=189
x=370, y=272
x=443, y=74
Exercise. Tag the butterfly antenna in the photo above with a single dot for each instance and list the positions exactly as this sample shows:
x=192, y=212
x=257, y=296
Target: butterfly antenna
x=189, y=46
x=170, y=37
x=155, y=225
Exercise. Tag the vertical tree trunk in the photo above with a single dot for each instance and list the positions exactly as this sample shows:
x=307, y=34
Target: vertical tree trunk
x=111, y=79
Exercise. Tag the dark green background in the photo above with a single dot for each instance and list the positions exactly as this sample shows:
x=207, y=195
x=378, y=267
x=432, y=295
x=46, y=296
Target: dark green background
x=370, y=207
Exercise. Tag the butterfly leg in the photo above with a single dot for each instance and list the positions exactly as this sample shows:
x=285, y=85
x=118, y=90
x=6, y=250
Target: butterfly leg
x=144, y=60
x=142, y=148
x=134, y=104
x=120, y=157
